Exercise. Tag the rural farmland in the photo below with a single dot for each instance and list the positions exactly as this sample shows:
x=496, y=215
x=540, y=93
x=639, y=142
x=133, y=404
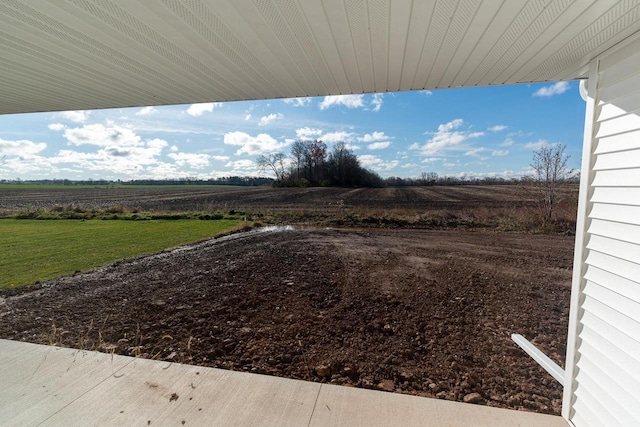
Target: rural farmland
x=386, y=306
x=505, y=206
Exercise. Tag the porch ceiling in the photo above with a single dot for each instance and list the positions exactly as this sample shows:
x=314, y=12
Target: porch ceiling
x=85, y=54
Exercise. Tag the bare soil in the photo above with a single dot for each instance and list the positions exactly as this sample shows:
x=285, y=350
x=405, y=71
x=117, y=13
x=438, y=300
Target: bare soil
x=181, y=198
x=412, y=311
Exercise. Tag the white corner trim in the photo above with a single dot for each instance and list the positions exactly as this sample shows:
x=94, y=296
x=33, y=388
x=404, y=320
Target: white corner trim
x=581, y=240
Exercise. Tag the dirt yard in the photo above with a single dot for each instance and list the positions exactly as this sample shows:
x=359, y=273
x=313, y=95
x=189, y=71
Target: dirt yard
x=411, y=311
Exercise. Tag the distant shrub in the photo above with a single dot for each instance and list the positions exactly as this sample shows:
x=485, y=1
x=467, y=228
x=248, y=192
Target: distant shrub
x=215, y=216
x=117, y=208
x=28, y=213
x=171, y=216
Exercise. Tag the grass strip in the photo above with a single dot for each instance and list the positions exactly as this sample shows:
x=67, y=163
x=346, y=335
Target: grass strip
x=32, y=250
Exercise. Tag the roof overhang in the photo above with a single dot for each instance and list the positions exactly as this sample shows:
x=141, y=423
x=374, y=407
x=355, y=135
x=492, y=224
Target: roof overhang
x=86, y=54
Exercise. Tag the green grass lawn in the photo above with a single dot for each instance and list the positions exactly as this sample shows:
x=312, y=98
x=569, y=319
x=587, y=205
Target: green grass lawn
x=33, y=250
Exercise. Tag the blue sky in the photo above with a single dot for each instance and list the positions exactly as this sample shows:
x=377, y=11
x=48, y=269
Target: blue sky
x=488, y=131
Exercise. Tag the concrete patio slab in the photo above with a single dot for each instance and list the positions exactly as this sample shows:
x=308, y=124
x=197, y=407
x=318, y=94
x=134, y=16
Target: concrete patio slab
x=36, y=381
x=346, y=406
x=51, y=386
x=147, y=392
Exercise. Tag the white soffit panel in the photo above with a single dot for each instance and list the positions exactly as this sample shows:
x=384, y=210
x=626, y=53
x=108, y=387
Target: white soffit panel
x=84, y=54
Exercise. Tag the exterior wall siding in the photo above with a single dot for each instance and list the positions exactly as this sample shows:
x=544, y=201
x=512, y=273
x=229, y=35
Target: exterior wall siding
x=602, y=384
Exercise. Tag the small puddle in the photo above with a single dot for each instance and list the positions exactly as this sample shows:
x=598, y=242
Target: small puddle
x=273, y=229
x=239, y=235
x=243, y=234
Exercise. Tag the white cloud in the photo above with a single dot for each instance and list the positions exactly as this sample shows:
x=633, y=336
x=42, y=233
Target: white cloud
x=165, y=170
x=376, y=163
x=431, y=160
x=262, y=143
x=308, y=133
x=425, y=92
x=536, y=145
x=377, y=102
x=145, y=111
x=78, y=116
x=120, y=150
x=157, y=143
x=352, y=147
x=27, y=163
x=242, y=164
x=379, y=145
x=56, y=126
x=298, y=102
x=247, y=117
x=497, y=128
x=193, y=160
x=499, y=153
x=131, y=161
x=339, y=136
x=108, y=151
x=475, y=152
x=375, y=136
x=446, y=138
x=199, y=109
x=265, y=120
x=507, y=142
x=20, y=147
x=555, y=89
x=349, y=101
x=101, y=135
x=519, y=134
x=242, y=167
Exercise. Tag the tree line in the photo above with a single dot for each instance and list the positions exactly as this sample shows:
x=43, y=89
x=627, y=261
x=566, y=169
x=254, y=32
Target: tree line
x=245, y=181
x=311, y=164
x=435, y=179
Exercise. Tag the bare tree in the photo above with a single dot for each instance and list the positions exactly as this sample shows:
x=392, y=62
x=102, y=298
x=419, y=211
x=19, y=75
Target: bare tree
x=550, y=169
x=273, y=162
x=428, y=178
x=343, y=166
x=299, y=151
x=318, y=158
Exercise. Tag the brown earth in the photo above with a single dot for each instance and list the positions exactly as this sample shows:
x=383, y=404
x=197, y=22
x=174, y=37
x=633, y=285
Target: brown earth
x=210, y=198
x=412, y=311
x=503, y=207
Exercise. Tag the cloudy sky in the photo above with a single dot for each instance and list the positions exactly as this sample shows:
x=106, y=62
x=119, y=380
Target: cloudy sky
x=488, y=131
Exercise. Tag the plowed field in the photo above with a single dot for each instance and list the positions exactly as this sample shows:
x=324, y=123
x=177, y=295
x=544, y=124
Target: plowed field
x=178, y=198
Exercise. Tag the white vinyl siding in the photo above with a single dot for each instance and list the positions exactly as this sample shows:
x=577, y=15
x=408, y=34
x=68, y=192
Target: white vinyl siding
x=603, y=381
